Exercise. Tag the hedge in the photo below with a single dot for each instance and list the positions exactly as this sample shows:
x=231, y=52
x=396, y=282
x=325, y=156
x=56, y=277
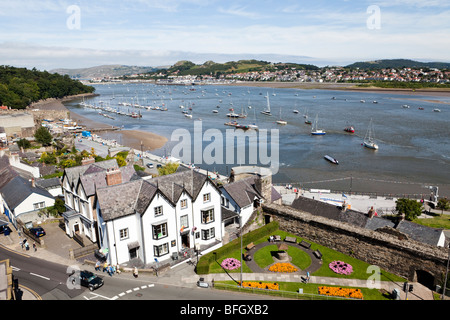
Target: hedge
x=206, y=260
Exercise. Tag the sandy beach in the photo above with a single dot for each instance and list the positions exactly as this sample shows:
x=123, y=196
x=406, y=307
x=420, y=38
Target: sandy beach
x=129, y=138
x=435, y=92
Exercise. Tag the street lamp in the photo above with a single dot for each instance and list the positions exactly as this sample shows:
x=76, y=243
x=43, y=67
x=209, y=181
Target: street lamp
x=240, y=233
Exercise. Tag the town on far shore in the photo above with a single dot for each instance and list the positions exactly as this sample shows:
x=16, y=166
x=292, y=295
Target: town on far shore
x=132, y=215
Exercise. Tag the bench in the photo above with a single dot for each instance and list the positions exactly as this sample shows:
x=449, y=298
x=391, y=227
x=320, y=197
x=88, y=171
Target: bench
x=247, y=257
x=250, y=246
x=318, y=254
x=305, y=244
x=290, y=239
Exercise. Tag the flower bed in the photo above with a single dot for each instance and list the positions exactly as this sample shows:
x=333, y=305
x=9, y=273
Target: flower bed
x=341, y=292
x=283, y=267
x=261, y=285
x=341, y=267
x=230, y=263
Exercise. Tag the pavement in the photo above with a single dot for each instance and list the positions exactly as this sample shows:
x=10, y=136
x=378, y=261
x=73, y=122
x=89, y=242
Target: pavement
x=58, y=245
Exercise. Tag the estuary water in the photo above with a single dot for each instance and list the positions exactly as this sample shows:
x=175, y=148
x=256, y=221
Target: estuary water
x=413, y=139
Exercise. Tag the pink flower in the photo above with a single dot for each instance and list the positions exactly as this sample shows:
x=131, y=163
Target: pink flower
x=341, y=267
x=230, y=263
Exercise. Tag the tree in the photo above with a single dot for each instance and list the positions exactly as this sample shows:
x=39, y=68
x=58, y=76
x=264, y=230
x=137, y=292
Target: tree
x=24, y=143
x=443, y=204
x=43, y=136
x=169, y=168
x=409, y=207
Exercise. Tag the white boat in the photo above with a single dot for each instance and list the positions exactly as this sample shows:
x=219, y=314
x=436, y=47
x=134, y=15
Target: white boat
x=437, y=110
x=369, y=140
x=405, y=106
x=331, y=159
x=315, y=130
x=295, y=111
x=280, y=121
x=267, y=111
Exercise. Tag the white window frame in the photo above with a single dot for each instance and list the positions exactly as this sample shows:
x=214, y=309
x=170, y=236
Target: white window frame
x=39, y=205
x=158, y=211
x=186, y=218
x=208, y=233
x=184, y=204
x=206, y=197
x=208, y=216
x=161, y=250
x=123, y=234
x=164, y=231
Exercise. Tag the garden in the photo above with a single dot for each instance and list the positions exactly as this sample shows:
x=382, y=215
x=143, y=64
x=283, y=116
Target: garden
x=334, y=264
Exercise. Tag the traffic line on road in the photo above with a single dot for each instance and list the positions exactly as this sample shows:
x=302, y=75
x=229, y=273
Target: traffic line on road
x=38, y=275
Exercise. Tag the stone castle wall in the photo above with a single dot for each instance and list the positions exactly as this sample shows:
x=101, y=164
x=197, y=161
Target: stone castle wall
x=402, y=257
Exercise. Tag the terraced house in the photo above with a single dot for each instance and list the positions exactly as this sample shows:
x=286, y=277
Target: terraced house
x=152, y=220
x=79, y=185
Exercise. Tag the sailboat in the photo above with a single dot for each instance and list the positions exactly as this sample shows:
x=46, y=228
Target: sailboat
x=369, y=141
x=314, y=130
x=253, y=126
x=280, y=121
x=267, y=111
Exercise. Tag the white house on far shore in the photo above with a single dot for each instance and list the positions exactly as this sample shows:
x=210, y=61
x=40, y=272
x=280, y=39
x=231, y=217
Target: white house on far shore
x=155, y=220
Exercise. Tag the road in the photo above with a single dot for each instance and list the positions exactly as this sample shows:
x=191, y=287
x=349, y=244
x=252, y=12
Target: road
x=48, y=281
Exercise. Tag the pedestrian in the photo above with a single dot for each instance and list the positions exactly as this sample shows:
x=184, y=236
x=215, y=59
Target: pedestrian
x=27, y=246
x=135, y=272
x=105, y=265
x=34, y=246
x=97, y=266
x=21, y=244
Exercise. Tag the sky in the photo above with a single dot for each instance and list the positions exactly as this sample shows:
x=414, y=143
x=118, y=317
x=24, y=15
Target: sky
x=49, y=34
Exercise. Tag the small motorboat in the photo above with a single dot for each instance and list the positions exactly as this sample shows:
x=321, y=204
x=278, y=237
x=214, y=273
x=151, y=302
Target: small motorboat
x=331, y=159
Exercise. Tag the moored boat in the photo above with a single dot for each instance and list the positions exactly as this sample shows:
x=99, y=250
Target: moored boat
x=331, y=159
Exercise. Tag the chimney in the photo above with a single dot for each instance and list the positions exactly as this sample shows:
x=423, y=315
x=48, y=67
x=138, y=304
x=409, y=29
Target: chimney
x=113, y=177
x=33, y=183
x=88, y=160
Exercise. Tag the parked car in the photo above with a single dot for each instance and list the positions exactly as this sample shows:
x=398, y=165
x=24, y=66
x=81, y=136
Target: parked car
x=149, y=165
x=4, y=229
x=87, y=279
x=37, y=231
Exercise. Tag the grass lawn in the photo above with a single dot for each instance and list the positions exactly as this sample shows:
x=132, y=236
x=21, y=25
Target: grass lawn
x=263, y=258
x=437, y=221
x=312, y=289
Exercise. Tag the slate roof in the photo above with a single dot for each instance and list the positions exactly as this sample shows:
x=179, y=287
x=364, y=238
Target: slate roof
x=243, y=191
x=118, y=200
x=73, y=173
x=414, y=231
x=419, y=232
x=136, y=195
x=18, y=189
x=48, y=183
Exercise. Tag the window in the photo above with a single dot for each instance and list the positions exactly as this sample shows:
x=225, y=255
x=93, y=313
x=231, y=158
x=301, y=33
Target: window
x=207, y=234
x=158, y=211
x=207, y=197
x=39, y=205
x=184, y=204
x=208, y=216
x=184, y=221
x=160, y=231
x=161, y=250
x=123, y=234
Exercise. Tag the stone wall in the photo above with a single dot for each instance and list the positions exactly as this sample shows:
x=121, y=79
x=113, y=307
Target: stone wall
x=402, y=257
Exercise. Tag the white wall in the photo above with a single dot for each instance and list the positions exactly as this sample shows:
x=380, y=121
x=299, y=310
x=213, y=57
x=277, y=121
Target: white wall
x=27, y=204
x=148, y=220
x=200, y=205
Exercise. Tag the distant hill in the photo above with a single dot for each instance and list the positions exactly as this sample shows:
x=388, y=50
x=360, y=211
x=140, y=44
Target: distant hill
x=212, y=68
x=397, y=63
x=103, y=71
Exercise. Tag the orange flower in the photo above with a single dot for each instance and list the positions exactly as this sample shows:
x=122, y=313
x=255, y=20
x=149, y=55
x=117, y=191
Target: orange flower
x=282, y=267
x=261, y=285
x=341, y=292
